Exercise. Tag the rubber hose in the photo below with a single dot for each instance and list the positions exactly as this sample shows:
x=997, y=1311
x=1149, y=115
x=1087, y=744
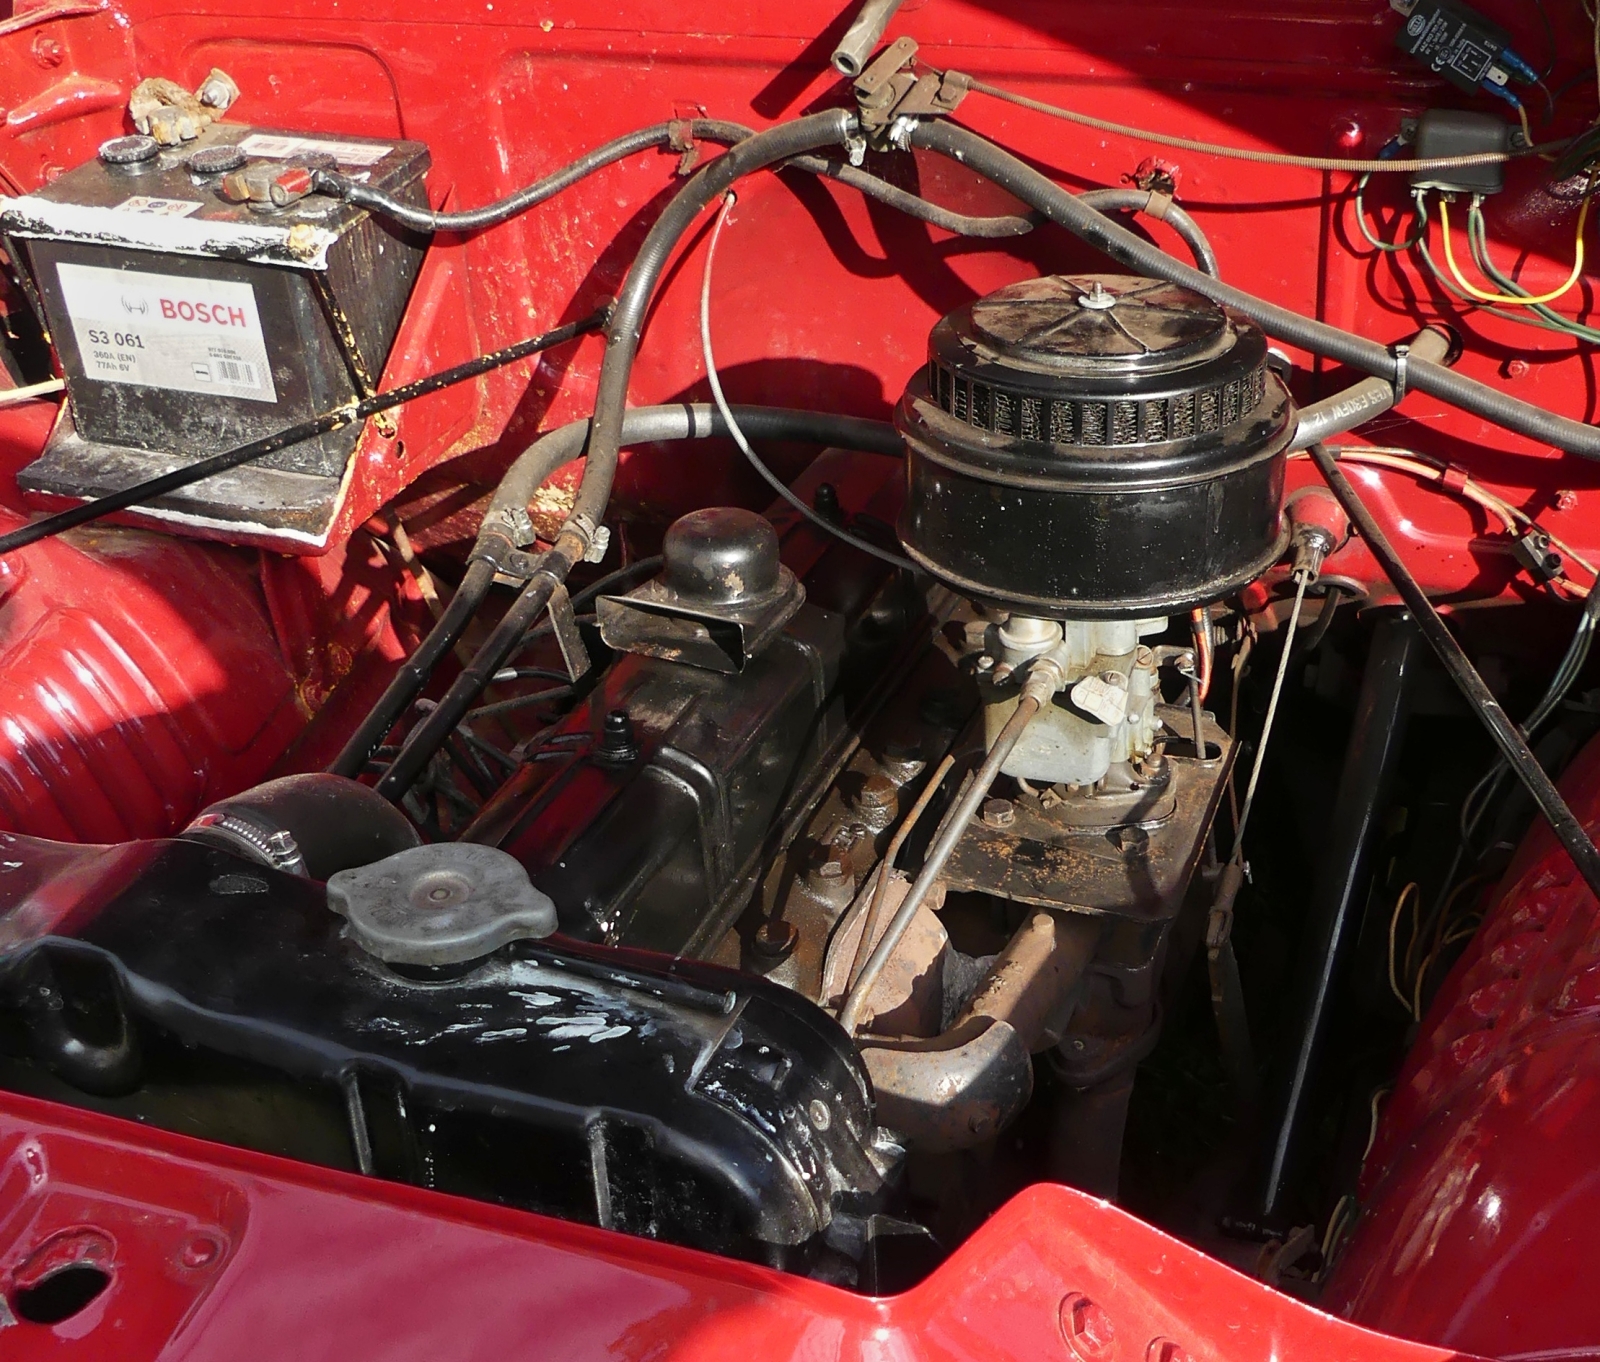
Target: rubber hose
x=689, y=421
x=1138, y=201
x=683, y=421
x=1360, y=402
x=1061, y=207
x=830, y=128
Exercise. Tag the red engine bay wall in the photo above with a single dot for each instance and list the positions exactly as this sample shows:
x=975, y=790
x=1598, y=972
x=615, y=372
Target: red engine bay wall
x=141, y=676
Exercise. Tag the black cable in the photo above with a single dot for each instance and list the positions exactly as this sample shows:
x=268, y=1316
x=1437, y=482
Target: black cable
x=644, y=425
x=335, y=185
x=519, y=702
x=1552, y=49
x=1027, y=184
x=1568, y=830
x=1319, y=630
x=642, y=568
x=152, y=488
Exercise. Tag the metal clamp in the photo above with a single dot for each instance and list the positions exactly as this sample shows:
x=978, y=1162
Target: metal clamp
x=1402, y=367
x=890, y=91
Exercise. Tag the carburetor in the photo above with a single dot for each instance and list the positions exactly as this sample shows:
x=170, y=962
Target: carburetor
x=1089, y=455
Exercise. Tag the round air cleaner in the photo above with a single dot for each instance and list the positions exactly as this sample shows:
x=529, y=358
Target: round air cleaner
x=1095, y=447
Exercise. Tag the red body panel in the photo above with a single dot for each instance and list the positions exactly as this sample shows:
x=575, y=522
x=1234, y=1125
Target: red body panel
x=1482, y=1191
x=223, y=1254
x=122, y=720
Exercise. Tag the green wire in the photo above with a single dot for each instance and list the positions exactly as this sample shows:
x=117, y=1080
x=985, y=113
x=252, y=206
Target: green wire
x=1361, y=222
x=1564, y=327
x=1478, y=240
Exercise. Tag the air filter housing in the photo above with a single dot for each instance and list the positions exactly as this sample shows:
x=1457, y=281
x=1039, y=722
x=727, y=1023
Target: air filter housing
x=1095, y=447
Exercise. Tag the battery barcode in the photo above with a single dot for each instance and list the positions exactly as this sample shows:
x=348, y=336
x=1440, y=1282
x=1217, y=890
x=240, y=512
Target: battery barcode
x=233, y=371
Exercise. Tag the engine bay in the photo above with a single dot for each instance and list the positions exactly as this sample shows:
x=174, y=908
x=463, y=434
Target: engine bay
x=764, y=651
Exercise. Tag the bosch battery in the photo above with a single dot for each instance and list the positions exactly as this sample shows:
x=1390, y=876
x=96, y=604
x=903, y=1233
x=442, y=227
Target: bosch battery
x=200, y=297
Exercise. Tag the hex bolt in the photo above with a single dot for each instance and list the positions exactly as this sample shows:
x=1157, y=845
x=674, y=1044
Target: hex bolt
x=877, y=793
x=1133, y=842
x=999, y=813
x=618, y=746
x=1087, y=1329
x=774, y=938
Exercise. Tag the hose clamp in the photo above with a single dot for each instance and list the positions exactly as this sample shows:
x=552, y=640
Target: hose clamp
x=1402, y=369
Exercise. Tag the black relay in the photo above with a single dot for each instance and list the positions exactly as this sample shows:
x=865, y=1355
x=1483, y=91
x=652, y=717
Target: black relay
x=1458, y=43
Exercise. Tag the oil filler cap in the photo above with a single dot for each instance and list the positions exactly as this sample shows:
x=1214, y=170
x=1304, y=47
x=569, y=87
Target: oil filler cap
x=440, y=905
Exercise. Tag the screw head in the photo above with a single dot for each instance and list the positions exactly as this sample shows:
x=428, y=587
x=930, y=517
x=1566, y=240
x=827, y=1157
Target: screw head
x=999, y=813
x=774, y=938
x=818, y=1111
x=200, y=1251
x=1087, y=1329
x=1566, y=500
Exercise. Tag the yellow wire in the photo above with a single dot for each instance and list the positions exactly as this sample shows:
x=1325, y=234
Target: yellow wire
x=1450, y=260
x=1527, y=132
x=1408, y=894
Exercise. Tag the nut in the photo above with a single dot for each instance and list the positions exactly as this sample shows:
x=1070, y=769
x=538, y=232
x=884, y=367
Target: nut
x=999, y=813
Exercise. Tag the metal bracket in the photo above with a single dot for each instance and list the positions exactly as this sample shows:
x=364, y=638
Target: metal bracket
x=890, y=90
x=495, y=548
x=568, y=639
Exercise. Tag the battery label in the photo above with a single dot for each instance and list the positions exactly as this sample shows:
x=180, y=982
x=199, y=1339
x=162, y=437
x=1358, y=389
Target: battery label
x=158, y=208
x=162, y=331
x=283, y=148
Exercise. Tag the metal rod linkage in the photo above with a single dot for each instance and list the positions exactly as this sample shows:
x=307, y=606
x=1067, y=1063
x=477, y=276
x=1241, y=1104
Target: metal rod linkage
x=1042, y=682
x=1507, y=736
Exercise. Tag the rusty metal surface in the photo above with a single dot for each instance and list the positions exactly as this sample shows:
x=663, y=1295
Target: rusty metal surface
x=954, y=1091
x=1033, y=983
x=1138, y=872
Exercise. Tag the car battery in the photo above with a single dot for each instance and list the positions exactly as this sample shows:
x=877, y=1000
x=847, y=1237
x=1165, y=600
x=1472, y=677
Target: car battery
x=199, y=298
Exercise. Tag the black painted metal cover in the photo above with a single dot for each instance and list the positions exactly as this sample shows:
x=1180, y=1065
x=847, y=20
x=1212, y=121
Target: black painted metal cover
x=1095, y=446
x=207, y=993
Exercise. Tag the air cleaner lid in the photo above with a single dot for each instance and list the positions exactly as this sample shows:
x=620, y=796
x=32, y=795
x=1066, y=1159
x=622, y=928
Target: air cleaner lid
x=1098, y=362
x=1091, y=321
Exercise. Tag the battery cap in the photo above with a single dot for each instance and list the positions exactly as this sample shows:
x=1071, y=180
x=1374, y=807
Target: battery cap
x=135, y=149
x=218, y=160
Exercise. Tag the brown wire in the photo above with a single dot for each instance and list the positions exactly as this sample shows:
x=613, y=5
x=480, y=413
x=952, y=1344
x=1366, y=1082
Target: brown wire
x=1354, y=166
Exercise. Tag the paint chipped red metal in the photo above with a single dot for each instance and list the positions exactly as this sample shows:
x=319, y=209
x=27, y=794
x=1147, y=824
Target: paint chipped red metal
x=224, y=1254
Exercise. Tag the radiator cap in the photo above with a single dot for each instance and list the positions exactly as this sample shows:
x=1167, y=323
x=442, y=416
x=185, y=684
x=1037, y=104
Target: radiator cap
x=440, y=905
